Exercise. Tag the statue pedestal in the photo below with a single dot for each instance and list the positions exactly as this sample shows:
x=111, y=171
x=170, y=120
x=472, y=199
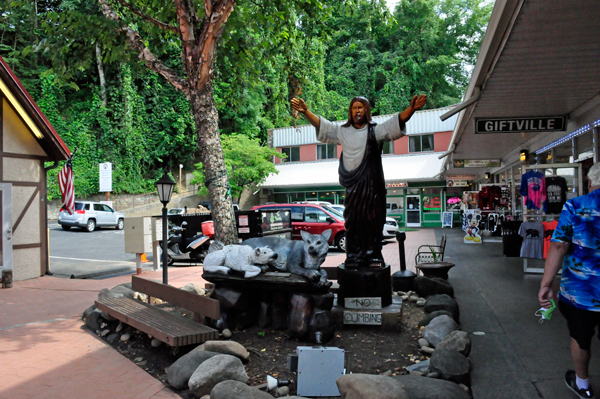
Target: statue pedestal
x=365, y=283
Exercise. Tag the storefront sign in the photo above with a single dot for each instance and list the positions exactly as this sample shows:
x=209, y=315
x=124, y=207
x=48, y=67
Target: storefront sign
x=461, y=177
x=432, y=203
x=447, y=219
x=476, y=163
x=105, y=177
x=518, y=125
x=456, y=183
x=363, y=303
x=392, y=185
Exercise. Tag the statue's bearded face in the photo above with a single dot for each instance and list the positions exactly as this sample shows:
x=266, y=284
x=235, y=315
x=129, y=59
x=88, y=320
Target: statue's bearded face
x=359, y=117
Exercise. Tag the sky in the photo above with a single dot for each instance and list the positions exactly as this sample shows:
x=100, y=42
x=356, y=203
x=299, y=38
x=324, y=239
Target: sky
x=391, y=4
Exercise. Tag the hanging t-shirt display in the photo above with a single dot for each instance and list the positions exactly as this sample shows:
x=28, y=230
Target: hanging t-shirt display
x=533, y=189
x=556, y=194
x=533, y=244
x=548, y=231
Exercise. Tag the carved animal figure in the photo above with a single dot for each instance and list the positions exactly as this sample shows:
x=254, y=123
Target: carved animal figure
x=240, y=258
x=303, y=258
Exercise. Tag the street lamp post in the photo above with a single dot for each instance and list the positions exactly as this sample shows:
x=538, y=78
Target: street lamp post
x=165, y=190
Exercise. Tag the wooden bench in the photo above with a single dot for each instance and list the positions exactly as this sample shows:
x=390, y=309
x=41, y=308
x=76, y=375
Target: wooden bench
x=431, y=253
x=167, y=327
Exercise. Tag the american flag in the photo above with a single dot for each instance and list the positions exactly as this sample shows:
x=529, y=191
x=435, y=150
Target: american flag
x=65, y=183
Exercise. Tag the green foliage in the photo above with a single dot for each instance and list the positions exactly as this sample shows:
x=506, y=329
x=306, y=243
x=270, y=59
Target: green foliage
x=248, y=163
x=335, y=49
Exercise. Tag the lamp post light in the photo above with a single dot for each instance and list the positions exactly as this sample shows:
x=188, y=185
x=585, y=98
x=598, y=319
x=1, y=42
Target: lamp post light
x=165, y=189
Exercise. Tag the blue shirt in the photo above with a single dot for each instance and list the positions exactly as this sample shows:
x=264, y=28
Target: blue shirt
x=579, y=225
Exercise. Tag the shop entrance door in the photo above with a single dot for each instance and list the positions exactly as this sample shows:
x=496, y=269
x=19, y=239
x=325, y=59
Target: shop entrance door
x=413, y=211
x=6, y=256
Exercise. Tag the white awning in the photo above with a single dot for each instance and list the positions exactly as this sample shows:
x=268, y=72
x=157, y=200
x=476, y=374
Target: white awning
x=396, y=168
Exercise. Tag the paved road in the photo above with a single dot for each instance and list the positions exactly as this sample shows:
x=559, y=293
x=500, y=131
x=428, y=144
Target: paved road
x=79, y=254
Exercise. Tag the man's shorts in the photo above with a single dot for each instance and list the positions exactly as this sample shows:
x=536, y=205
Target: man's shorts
x=582, y=323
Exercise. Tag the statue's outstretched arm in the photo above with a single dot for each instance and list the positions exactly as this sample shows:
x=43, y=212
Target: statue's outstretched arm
x=416, y=103
x=299, y=105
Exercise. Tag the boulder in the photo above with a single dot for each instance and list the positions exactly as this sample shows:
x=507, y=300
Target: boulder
x=427, y=319
x=421, y=367
x=429, y=388
x=112, y=337
x=227, y=348
x=123, y=290
x=236, y=389
x=443, y=302
x=214, y=370
x=180, y=372
x=456, y=341
x=367, y=386
x=422, y=342
x=193, y=288
x=426, y=286
x=438, y=329
x=300, y=315
x=87, y=312
x=94, y=320
x=450, y=365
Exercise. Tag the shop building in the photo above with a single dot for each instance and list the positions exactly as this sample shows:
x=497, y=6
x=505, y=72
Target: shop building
x=532, y=105
x=27, y=141
x=412, y=167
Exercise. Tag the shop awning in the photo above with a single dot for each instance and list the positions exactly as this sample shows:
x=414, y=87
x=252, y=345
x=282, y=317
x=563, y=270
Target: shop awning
x=397, y=169
x=538, y=58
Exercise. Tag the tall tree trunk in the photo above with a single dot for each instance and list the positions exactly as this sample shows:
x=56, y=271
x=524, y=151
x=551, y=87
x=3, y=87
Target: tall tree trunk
x=204, y=111
x=101, y=75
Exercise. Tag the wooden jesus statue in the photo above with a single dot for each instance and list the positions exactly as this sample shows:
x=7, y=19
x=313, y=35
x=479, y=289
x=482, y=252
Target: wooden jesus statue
x=361, y=172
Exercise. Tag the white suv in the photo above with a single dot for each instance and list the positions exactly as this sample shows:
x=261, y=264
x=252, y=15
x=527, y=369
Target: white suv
x=89, y=215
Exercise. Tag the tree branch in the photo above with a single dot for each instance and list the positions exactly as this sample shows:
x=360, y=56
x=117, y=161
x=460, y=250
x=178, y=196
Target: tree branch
x=137, y=44
x=147, y=17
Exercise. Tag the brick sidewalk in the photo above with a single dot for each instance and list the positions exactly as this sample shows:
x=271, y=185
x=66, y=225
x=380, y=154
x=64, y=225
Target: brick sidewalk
x=391, y=255
x=46, y=351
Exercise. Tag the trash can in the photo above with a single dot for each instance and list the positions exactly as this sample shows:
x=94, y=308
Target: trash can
x=511, y=240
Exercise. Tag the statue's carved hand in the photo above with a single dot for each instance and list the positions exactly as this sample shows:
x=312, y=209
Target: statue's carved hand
x=313, y=275
x=299, y=105
x=418, y=102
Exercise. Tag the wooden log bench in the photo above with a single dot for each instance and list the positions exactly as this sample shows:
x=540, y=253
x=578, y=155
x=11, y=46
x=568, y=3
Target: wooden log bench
x=167, y=327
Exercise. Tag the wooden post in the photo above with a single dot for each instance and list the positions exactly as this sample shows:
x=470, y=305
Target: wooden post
x=7, y=278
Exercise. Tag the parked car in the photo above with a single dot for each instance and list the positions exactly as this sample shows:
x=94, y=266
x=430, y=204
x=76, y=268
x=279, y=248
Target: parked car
x=90, y=215
x=315, y=219
x=389, y=228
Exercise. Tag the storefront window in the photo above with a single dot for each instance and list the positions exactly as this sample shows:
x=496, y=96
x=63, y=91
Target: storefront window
x=432, y=200
x=413, y=191
x=453, y=199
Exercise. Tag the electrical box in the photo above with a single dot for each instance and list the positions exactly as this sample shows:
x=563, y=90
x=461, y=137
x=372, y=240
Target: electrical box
x=318, y=369
x=138, y=235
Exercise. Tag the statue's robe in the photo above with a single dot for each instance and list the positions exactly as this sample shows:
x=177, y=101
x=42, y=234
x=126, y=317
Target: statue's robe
x=361, y=174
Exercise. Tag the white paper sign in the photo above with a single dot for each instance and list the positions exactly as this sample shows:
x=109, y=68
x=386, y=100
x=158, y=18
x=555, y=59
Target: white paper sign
x=105, y=177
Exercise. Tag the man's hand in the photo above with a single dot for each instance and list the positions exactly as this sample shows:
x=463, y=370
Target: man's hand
x=544, y=296
x=299, y=105
x=418, y=102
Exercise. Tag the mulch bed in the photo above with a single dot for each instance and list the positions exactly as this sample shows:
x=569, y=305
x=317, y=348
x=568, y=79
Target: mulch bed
x=368, y=350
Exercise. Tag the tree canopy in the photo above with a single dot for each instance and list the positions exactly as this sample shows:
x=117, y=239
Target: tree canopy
x=105, y=101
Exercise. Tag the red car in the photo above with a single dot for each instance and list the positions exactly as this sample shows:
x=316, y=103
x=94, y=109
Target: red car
x=315, y=219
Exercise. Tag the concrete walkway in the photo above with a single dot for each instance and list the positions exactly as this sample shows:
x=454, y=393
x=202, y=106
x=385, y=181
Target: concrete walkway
x=46, y=351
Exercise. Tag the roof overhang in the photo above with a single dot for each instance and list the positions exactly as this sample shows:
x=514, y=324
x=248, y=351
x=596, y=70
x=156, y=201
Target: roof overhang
x=538, y=58
x=396, y=168
x=15, y=93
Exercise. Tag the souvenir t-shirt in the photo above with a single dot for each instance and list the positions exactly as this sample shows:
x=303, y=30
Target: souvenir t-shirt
x=533, y=189
x=533, y=245
x=549, y=228
x=556, y=194
x=579, y=225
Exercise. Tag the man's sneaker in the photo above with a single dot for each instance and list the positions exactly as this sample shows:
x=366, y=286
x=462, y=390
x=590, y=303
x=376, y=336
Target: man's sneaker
x=571, y=381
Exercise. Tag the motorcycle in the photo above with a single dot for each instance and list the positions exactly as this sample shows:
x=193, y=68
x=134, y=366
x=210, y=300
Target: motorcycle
x=193, y=249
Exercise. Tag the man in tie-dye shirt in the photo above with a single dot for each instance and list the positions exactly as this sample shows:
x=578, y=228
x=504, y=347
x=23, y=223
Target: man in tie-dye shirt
x=575, y=247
